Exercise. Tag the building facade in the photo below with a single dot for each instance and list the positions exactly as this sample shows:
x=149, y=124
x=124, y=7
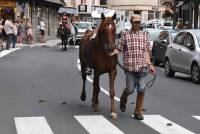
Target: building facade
x=187, y=10
x=84, y=7
x=148, y=9
x=34, y=10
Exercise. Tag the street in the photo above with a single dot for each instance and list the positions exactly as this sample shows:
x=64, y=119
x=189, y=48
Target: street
x=40, y=91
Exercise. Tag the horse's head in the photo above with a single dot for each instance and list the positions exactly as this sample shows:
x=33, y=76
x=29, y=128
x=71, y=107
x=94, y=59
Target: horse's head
x=106, y=33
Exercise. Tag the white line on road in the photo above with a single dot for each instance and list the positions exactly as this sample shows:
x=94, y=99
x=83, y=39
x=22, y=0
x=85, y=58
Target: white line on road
x=163, y=125
x=196, y=117
x=5, y=52
x=32, y=125
x=97, y=124
x=90, y=80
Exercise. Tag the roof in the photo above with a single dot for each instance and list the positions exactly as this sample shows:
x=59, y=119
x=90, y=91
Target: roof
x=55, y=2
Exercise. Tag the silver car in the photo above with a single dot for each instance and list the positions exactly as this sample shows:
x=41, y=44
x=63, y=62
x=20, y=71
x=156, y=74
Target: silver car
x=183, y=55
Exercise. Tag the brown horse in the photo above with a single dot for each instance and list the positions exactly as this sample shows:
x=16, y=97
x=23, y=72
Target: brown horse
x=100, y=61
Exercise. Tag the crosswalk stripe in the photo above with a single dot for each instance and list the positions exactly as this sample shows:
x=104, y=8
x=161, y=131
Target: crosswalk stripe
x=164, y=126
x=196, y=117
x=5, y=52
x=97, y=124
x=32, y=125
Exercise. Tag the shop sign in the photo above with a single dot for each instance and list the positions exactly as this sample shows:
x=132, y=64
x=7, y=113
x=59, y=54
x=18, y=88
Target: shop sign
x=6, y=3
x=82, y=8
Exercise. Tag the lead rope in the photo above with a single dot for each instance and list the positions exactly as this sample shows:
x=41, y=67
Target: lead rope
x=149, y=83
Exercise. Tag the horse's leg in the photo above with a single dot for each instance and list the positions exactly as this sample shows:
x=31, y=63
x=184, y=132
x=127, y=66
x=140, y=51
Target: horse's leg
x=66, y=38
x=112, y=75
x=83, y=93
x=96, y=90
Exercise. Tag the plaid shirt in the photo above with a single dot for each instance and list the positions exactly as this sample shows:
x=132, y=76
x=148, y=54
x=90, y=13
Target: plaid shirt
x=134, y=47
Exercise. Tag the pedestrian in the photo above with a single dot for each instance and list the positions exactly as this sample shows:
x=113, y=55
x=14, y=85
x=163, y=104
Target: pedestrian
x=29, y=32
x=179, y=24
x=8, y=30
x=136, y=47
x=19, y=31
x=1, y=34
x=42, y=30
x=14, y=35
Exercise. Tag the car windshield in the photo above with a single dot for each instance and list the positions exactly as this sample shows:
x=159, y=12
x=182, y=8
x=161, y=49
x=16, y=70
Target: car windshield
x=84, y=26
x=168, y=24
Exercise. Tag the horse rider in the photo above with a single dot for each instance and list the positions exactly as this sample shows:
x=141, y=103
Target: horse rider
x=65, y=22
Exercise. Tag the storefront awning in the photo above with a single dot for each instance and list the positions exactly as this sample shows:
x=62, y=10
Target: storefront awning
x=55, y=2
x=68, y=10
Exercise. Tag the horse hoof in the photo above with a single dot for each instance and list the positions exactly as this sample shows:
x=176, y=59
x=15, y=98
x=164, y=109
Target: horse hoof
x=83, y=97
x=113, y=115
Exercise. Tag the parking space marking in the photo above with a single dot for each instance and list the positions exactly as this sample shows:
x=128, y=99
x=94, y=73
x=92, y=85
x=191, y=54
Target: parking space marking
x=97, y=124
x=164, y=126
x=32, y=125
x=90, y=80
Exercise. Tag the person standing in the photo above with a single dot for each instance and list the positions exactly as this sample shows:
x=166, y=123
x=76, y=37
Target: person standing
x=1, y=34
x=42, y=30
x=29, y=32
x=136, y=47
x=8, y=30
x=14, y=35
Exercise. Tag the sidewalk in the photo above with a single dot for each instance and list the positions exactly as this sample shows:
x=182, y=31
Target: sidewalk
x=49, y=43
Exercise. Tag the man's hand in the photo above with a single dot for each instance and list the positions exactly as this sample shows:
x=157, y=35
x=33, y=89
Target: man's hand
x=152, y=69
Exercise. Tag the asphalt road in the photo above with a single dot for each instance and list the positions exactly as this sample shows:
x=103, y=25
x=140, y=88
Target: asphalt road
x=45, y=82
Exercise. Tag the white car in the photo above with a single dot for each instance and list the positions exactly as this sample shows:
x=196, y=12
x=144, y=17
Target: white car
x=127, y=25
x=82, y=27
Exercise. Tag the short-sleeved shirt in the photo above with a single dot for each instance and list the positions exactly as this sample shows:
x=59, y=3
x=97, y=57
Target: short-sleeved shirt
x=42, y=25
x=134, y=47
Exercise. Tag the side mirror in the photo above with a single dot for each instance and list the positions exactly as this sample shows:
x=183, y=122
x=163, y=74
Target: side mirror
x=190, y=46
x=164, y=41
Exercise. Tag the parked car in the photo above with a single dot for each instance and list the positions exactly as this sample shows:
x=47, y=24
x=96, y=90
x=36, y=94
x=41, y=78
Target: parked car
x=183, y=55
x=163, y=39
x=127, y=25
x=168, y=25
x=119, y=29
x=82, y=27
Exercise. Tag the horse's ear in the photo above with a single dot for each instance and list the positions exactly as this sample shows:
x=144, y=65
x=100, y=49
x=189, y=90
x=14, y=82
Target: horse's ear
x=102, y=16
x=114, y=16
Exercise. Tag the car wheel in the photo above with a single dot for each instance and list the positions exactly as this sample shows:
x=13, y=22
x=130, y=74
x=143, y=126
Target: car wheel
x=168, y=71
x=195, y=72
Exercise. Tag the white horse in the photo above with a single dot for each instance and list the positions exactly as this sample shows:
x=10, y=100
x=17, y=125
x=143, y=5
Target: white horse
x=73, y=34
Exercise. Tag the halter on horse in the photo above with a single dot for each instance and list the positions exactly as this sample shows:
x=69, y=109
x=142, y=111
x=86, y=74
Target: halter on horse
x=100, y=61
x=64, y=33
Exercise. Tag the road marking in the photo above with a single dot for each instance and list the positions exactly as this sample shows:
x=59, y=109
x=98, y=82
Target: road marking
x=5, y=52
x=196, y=117
x=97, y=124
x=164, y=126
x=32, y=125
x=90, y=80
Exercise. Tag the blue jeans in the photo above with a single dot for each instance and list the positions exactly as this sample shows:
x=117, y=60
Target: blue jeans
x=136, y=80
x=9, y=41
